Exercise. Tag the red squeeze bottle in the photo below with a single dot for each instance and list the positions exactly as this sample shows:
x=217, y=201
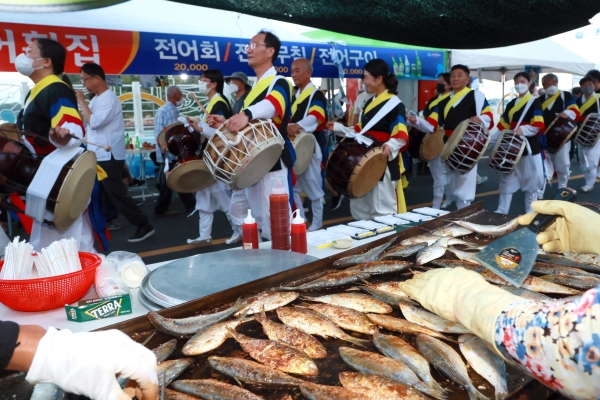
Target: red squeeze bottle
x=249, y=232
x=299, y=234
x=279, y=207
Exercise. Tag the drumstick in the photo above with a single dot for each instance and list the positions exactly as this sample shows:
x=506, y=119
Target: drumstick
x=107, y=148
x=199, y=104
x=413, y=103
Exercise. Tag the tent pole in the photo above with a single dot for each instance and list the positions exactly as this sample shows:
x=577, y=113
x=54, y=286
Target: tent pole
x=503, y=80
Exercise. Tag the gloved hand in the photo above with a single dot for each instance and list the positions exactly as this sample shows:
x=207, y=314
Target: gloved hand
x=575, y=231
x=461, y=296
x=87, y=362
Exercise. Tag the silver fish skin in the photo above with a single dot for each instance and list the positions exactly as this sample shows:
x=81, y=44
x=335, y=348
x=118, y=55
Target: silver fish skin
x=345, y=318
x=213, y=389
x=447, y=361
x=373, y=363
x=526, y=293
x=588, y=259
x=490, y=230
x=577, y=282
x=356, y=301
x=543, y=268
x=396, y=348
x=466, y=264
x=429, y=253
x=390, y=298
x=172, y=369
x=452, y=231
x=491, y=367
x=590, y=265
x=47, y=391
x=267, y=300
x=464, y=255
x=375, y=387
x=532, y=283
x=165, y=350
x=468, y=245
x=252, y=372
x=371, y=255
x=313, y=391
x=402, y=251
x=393, y=287
x=403, y=326
x=424, y=238
x=380, y=267
x=337, y=278
x=430, y=320
x=212, y=337
x=191, y=325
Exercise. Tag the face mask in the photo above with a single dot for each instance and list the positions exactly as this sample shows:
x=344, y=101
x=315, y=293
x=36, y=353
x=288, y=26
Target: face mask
x=24, y=64
x=232, y=87
x=179, y=102
x=521, y=88
x=552, y=90
x=202, y=88
x=588, y=90
x=440, y=87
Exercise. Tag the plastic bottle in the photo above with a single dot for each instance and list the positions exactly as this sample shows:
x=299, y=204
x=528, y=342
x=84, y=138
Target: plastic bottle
x=299, y=234
x=279, y=207
x=249, y=232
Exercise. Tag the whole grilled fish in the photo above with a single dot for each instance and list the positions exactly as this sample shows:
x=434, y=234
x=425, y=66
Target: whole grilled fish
x=269, y=300
x=356, y=301
x=586, y=262
x=446, y=360
x=47, y=391
x=373, y=363
x=446, y=263
x=403, y=326
x=543, y=268
x=313, y=391
x=375, y=387
x=173, y=395
x=491, y=367
x=345, y=318
x=277, y=355
x=402, y=251
x=490, y=230
x=430, y=320
x=436, y=250
x=380, y=267
x=424, y=238
x=337, y=278
x=526, y=293
x=314, y=323
x=396, y=348
x=165, y=350
x=387, y=297
x=191, y=325
x=212, y=337
x=292, y=336
x=588, y=259
x=371, y=255
x=213, y=389
x=532, y=283
x=173, y=368
x=577, y=282
x=252, y=372
x=453, y=231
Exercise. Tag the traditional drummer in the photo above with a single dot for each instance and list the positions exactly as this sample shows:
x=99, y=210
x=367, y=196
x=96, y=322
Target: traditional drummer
x=385, y=114
x=308, y=114
x=558, y=104
x=436, y=166
x=523, y=116
x=463, y=104
x=588, y=103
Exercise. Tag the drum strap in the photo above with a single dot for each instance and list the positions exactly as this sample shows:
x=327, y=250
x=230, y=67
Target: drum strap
x=527, y=106
x=588, y=103
x=387, y=107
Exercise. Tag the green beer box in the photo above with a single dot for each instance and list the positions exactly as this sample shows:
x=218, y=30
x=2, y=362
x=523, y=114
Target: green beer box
x=105, y=307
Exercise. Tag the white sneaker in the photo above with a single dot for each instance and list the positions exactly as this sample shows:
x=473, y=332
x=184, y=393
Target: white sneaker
x=313, y=228
x=481, y=179
x=447, y=203
x=587, y=188
x=200, y=240
x=235, y=237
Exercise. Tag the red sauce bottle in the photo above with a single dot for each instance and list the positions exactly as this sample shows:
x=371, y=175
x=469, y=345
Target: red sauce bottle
x=249, y=232
x=299, y=234
x=279, y=208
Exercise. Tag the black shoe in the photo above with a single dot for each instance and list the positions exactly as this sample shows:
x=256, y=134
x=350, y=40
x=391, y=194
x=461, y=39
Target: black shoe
x=138, y=202
x=336, y=201
x=143, y=232
x=137, y=182
x=113, y=226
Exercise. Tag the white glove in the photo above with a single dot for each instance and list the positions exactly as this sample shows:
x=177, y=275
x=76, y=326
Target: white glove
x=87, y=362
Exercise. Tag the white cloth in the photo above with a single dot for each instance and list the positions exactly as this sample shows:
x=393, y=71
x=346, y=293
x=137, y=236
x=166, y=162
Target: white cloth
x=588, y=160
x=165, y=116
x=216, y=197
x=310, y=182
x=264, y=108
x=43, y=235
x=423, y=125
x=438, y=172
x=380, y=201
x=461, y=187
x=309, y=123
x=561, y=163
x=106, y=126
x=528, y=176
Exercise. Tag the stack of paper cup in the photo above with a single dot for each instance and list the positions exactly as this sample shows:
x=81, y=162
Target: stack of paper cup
x=130, y=267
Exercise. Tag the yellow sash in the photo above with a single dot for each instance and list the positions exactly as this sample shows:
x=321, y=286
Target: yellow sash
x=258, y=89
x=588, y=103
x=378, y=100
x=550, y=100
x=436, y=101
x=41, y=85
x=520, y=104
x=457, y=97
x=303, y=96
x=215, y=99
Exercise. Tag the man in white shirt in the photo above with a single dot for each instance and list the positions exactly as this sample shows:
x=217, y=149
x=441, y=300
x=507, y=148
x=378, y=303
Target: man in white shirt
x=104, y=121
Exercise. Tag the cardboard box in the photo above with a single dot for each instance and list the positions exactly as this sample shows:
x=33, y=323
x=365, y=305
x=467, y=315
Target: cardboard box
x=106, y=307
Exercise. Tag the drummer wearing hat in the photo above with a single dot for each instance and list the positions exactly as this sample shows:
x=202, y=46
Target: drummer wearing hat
x=237, y=84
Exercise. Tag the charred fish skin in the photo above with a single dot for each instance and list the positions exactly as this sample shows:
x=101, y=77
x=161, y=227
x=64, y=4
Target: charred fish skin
x=380, y=267
x=213, y=389
x=432, y=321
x=173, y=395
x=376, y=387
x=165, y=350
x=313, y=391
x=491, y=367
x=387, y=297
x=397, y=349
x=267, y=300
x=586, y=262
x=532, y=283
x=526, y=293
x=403, y=326
x=402, y=251
x=491, y=230
x=47, y=391
x=172, y=369
x=211, y=338
x=338, y=278
x=314, y=323
x=356, y=301
x=577, y=282
x=371, y=255
x=191, y=325
x=446, y=360
x=372, y=363
x=446, y=263
x=345, y=318
x=276, y=355
x=292, y=336
x=543, y=268
x=252, y=372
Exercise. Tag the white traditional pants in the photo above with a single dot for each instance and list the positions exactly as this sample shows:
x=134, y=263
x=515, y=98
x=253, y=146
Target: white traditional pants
x=588, y=160
x=216, y=197
x=381, y=200
x=528, y=176
x=311, y=184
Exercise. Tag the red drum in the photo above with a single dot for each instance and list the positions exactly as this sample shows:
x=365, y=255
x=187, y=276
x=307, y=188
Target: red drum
x=190, y=173
x=558, y=133
x=464, y=148
x=590, y=130
x=507, y=152
x=353, y=169
x=415, y=138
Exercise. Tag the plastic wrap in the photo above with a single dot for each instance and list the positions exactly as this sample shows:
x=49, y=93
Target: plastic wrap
x=130, y=267
x=108, y=282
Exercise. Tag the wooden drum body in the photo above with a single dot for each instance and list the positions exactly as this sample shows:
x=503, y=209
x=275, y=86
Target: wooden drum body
x=507, y=152
x=589, y=132
x=558, y=133
x=466, y=146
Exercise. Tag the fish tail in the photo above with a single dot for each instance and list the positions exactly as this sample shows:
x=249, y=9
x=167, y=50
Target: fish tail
x=501, y=395
x=356, y=341
x=433, y=392
x=240, y=303
x=434, y=385
x=232, y=332
x=475, y=394
x=261, y=317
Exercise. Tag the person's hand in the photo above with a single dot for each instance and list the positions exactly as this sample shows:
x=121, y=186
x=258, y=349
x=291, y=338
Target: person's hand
x=87, y=363
x=519, y=132
x=215, y=120
x=80, y=96
x=60, y=135
x=292, y=130
x=329, y=125
x=476, y=120
x=461, y=296
x=576, y=230
x=387, y=150
x=563, y=115
x=237, y=123
x=412, y=119
x=195, y=124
